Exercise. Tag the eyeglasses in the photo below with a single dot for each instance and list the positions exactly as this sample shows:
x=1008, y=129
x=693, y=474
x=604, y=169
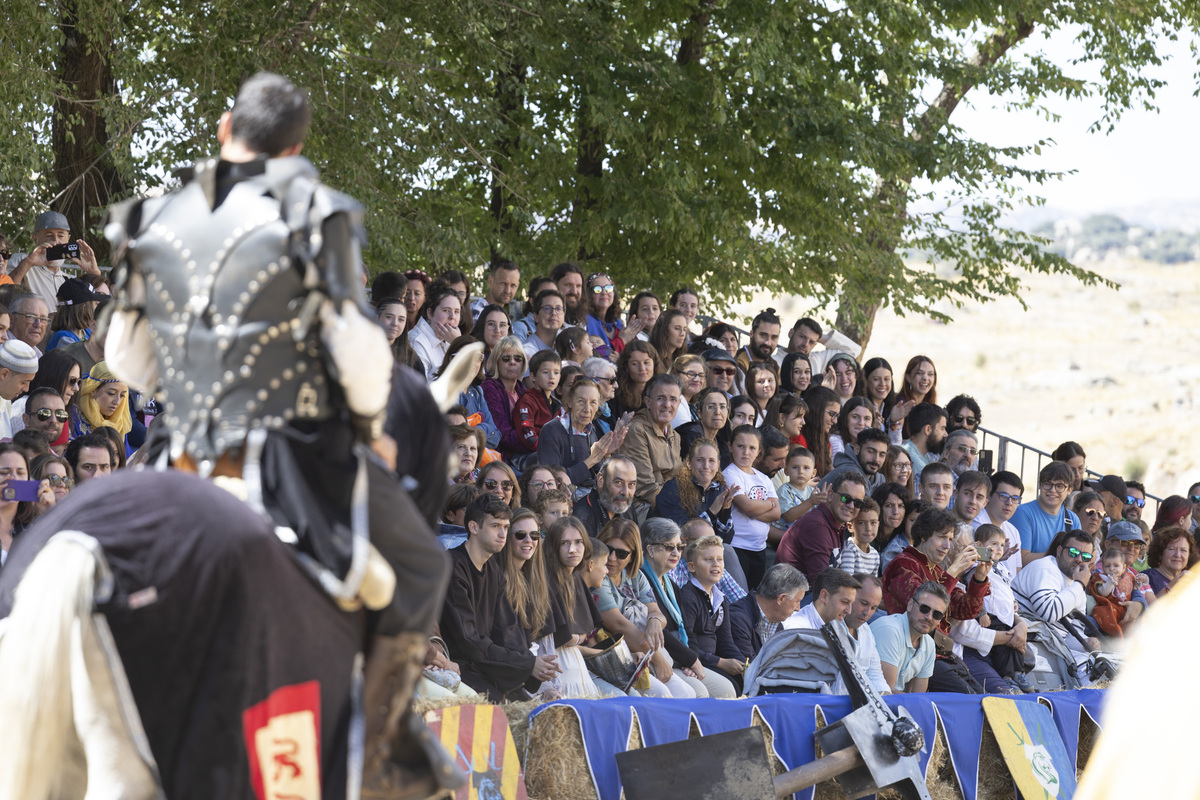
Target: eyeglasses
x=723, y=370
x=692, y=376
x=491, y=484
x=58, y=480
x=962, y=448
x=1056, y=487
x=1130, y=500
x=931, y=611
x=521, y=536
x=1075, y=552
x=539, y=485
x=605, y=289
x=725, y=407
x=33, y=317
x=671, y=548
x=847, y=500
x=1008, y=498
x=513, y=359
x=619, y=553
x=961, y=420
x=59, y=414
x=551, y=309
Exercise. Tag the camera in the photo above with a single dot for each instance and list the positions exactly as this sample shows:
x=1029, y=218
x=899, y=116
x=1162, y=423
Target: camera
x=985, y=553
x=62, y=251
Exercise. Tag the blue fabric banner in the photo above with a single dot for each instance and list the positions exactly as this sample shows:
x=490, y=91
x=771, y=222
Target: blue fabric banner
x=606, y=725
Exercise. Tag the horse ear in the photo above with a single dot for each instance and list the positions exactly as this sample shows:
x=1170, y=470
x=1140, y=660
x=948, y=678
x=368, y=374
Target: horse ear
x=457, y=376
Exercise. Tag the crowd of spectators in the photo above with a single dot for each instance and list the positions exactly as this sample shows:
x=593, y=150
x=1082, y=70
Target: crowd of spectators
x=737, y=488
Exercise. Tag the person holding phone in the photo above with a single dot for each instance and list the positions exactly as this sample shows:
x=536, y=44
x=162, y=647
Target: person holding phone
x=21, y=500
x=38, y=271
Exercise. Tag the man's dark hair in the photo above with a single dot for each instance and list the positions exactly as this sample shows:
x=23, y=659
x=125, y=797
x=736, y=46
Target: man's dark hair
x=270, y=114
x=974, y=479
x=96, y=440
x=434, y=295
x=1065, y=538
x=486, y=505
x=931, y=521
x=459, y=497
x=564, y=269
x=849, y=476
x=811, y=324
x=873, y=435
x=388, y=285
x=773, y=438
x=956, y=404
x=934, y=588
x=41, y=391
x=766, y=316
x=924, y=414
x=831, y=579
x=502, y=263
x=660, y=379
x=1011, y=478
x=541, y=357
x=1059, y=471
x=1141, y=487
x=541, y=296
x=935, y=468
x=32, y=441
x=681, y=291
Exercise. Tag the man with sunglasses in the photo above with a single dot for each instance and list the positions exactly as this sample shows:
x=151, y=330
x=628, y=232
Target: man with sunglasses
x=1135, y=502
x=962, y=413
x=1040, y=520
x=1007, y=488
x=810, y=541
x=905, y=641
x=45, y=412
x=1050, y=588
x=721, y=371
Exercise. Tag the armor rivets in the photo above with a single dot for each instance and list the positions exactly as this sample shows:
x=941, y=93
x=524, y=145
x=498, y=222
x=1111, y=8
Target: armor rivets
x=223, y=345
x=189, y=386
x=216, y=387
x=273, y=331
x=299, y=347
x=245, y=371
x=168, y=361
x=285, y=261
x=186, y=253
x=238, y=308
x=191, y=416
x=191, y=265
x=273, y=383
x=252, y=286
x=210, y=402
x=288, y=413
x=256, y=349
x=251, y=405
x=216, y=413
x=170, y=307
x=301, y=368
x=170, y=371
x=170, y=406
x=319, y=379
x=288, y=374
x=197, y=398
x=262, y=395
x=250, y=360
x=228, y=377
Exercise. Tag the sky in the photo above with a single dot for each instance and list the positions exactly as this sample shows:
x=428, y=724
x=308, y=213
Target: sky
x=1149, y=159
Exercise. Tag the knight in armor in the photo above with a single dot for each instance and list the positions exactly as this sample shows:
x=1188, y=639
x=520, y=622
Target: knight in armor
x=239, y=306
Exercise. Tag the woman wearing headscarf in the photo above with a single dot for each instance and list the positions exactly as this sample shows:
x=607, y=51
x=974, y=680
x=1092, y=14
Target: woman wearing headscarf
x=103, y=402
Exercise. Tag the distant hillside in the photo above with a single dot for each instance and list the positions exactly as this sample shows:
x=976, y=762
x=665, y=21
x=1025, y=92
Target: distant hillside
x=1104, y=236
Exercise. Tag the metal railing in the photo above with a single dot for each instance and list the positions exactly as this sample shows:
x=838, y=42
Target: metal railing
x=1026, y=461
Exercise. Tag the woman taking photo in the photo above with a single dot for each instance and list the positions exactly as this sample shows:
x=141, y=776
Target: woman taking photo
x=712, y=410
x=628, y=606
x=16, y=515
x=572, y=439
x=503, y=389
x=635, y=367
x=437, y=326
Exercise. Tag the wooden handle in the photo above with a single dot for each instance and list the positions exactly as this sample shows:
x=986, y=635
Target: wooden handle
x=823, y=769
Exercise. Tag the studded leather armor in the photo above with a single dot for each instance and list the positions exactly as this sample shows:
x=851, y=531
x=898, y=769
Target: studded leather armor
x=231, y=297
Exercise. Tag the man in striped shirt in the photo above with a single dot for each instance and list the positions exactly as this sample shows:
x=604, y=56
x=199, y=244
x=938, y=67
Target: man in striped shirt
x=1053, y=586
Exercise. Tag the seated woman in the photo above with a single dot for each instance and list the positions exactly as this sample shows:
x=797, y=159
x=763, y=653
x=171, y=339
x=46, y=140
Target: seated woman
x=712, y=408
x=103, y=402
x=854, y=418
x=795, y=374
x=1172, y=553
x=690, y=371
x=393, y=316
x=468, y=445
x=705, y=612
x=573, y=440
x=604, y=314
x=628, y=606
x=502, y=389
x=761, y=381
x=499, y=479
x=56, y=471
x=527, y=588
x=898, y=468
x=437, y=326
x=635, y=367
x=893, y=500
x=787, y=411
x=492, y=325
x=698, y=490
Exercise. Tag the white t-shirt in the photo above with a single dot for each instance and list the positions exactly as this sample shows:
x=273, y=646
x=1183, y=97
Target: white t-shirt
x=749, y=534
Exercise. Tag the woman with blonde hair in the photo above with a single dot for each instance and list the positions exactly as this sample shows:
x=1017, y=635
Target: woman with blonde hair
x=690, y=371
x=527, y=589
x=102, y=402
x=502, y=389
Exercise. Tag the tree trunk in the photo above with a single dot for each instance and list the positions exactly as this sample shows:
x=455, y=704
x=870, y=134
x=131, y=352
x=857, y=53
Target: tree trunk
x=691, y=47
x=589, y=172
x=510, y=101
x=86, y=179
x=856, y=313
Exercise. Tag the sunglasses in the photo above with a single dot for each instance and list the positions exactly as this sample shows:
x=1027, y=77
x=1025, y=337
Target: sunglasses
x=74, y=383
x=1091, y=512
x=619, y=553
x=610, y=381
x=491, y=483
x=605, y=289
x=722, y=370
x=926, y=609
x=1075, y=552
x=671, y=548
x=965, y=420
x=513, y=359
x=59, y=480
x=521, y=536
x=1195, y=498
x=59, y=414
x=847, y=500
x=1130, y=500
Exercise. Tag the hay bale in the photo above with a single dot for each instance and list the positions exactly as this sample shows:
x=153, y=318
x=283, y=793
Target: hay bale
x=939, y=775
x=1089, y=732
x=556, y=763
x=995, y=781
x=518, y=723
x=777, y=765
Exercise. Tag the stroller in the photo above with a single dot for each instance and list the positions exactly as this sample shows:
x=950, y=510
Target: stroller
x=798, y=660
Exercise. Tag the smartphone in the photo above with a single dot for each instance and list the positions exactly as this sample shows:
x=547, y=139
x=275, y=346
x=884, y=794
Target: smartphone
x=21, y=490
x=985, y=553
x=985, y=462
x=65, y=250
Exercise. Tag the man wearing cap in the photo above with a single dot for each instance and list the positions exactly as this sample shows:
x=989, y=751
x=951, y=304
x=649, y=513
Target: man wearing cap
x=18, y=365
x=1114, y=494
x=41, y=275
x=1127, y=537
x=721, y=370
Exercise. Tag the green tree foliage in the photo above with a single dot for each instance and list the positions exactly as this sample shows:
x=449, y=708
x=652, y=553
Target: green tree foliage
x=729, y=144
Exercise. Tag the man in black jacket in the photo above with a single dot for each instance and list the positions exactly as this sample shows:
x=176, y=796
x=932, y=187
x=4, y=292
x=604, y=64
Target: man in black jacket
x=616, y=482
x=757, y=616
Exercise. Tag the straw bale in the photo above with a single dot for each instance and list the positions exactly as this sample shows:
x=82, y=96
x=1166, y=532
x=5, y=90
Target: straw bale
x=556, y=765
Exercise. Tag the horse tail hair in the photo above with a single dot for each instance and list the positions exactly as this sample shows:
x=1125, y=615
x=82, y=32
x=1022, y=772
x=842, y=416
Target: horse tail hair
x=54, y=596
